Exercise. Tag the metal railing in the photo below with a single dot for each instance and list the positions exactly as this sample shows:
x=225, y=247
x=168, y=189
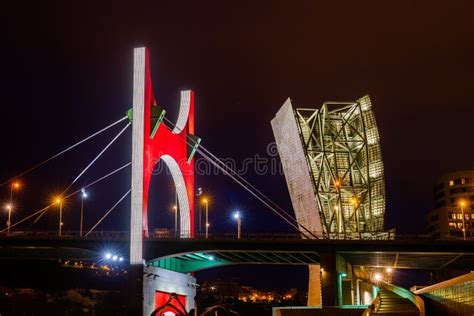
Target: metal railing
x=171, y=234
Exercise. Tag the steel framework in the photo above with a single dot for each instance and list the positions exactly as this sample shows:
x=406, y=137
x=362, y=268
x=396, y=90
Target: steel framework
x=341, y=145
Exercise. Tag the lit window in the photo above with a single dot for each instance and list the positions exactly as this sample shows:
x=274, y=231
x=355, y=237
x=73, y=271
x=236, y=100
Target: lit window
x=463, y=181
x=472, y=216
x=459, y=225
x=452, y=224
x=451, y=183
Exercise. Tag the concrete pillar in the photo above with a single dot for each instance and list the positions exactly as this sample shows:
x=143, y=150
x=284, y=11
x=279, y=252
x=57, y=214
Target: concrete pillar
x=135, y=290
x=314, y=287
x=158, y=279
x=329, y=278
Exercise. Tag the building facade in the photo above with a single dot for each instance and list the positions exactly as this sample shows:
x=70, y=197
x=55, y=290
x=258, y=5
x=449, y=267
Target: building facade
x=453, y=196
x=333, y=166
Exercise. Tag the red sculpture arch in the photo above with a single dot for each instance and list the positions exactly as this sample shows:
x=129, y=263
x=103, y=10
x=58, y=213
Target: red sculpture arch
x=174, y=146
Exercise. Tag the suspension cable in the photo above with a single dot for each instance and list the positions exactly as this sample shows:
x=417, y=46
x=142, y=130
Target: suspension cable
x=97, y=157
x=62, y=152
x=44, y=210
x=232, y=173
x=254, y=188
x=98, y=180
x=251, y=192
x=108, y=212
x=26, y=218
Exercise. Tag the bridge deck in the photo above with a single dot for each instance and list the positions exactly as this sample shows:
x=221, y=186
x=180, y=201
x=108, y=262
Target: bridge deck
x=419, y=253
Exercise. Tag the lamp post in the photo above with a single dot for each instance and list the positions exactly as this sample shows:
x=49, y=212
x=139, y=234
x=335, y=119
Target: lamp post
x=199, y=193
x=239, y=223
x=175, y=209
x=59, y=201
x=9, y=209
x=463, y=203
x=83, y=196
x=14, y=186
x=206, y=202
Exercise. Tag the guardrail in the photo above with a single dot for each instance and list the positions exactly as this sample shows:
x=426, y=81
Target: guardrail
x=415, y=299
x=171, y=234
x=374, y=307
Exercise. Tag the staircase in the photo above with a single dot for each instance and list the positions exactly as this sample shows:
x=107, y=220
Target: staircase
x=393, y=304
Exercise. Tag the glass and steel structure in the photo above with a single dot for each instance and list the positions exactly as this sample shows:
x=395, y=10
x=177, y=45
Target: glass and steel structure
x=337, y=147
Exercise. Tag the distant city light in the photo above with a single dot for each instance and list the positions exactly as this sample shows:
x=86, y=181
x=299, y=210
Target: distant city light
x=121, y=259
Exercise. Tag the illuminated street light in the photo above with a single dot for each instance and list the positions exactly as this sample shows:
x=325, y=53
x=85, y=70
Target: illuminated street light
x=83, y=196
x=8, y=207
x=58, y=200
x=198, y=195
x=108, y=255
x=206, y=202
x=175, y=209
x=14, y=186
x=389, y=270
x=462, y=203
x=114, y=257
x=239, y=223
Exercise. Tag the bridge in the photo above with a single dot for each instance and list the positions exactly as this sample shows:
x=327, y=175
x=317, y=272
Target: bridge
x=193, y=254
x=336, y=252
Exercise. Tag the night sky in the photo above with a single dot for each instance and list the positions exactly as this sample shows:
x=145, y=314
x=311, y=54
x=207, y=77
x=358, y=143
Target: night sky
x=67, y=72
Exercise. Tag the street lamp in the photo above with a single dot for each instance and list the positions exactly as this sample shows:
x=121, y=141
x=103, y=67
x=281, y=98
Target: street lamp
x=206, y=202
x=175, y=209
x=198, y=194
x=463, y=203
x=58, y=200
x=239, y=223
x=83, y=196
x=14, y=186
x=9, y=209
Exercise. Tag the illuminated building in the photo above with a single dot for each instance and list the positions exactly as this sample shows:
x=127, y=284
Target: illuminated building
x=446, y=219
x=333, y=167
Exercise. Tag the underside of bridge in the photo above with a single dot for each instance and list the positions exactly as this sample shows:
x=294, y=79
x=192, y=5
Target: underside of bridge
x=192, y=262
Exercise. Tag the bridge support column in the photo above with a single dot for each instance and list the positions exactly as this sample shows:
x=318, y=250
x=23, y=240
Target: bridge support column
x=314, y=287
x=159, y=284
x=328, y=278
x=135, y=290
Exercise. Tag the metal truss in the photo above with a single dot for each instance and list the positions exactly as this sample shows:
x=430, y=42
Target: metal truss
x=341, y=144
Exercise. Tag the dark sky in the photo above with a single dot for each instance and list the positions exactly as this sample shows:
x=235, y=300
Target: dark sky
x=67, y=71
